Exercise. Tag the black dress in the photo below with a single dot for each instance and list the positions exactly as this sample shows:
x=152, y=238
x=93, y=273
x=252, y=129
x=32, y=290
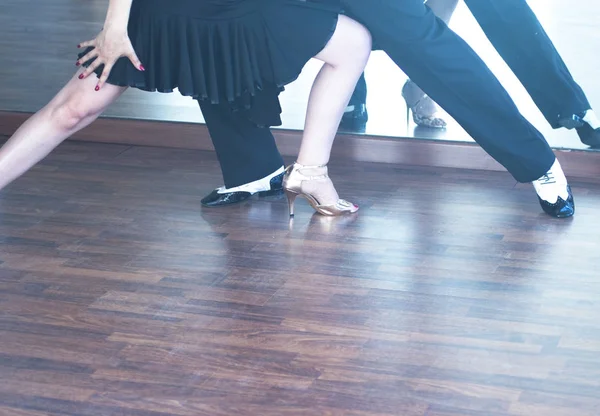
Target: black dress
x=223, y=50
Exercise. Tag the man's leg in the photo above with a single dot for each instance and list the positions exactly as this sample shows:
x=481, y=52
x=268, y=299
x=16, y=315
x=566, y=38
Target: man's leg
x=449, y=71
x=250, y=161
x=518, y=36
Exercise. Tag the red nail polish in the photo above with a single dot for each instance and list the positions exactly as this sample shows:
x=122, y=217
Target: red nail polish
x=79, y=46
x=81, y=76
x=142, y=68
x=77, y=63
x=97, y=88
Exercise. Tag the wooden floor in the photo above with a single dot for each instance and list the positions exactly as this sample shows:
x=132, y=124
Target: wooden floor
x=450, y=294
x=37, y=52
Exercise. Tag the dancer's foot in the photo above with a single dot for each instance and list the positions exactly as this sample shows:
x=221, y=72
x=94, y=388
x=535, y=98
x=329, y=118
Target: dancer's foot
x=268, y=186
x=314, y=184
x=587, y=126
x=423, y=108
x=554, y=193
x=354, y=119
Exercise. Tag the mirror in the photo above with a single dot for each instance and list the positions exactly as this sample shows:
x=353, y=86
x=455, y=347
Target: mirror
x=38, y=53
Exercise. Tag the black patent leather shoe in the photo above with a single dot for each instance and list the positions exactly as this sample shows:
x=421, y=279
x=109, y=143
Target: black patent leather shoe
x=571, y=122
x=355, y=121
x=216, y=199
x=587, y=135
x=561, y=208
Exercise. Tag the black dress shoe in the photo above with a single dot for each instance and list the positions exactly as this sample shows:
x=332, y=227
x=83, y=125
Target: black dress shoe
x=586, y=133
x=589, y=136
x=561, y=208
x=215, y=199
x=355, y=121
x=574, y=121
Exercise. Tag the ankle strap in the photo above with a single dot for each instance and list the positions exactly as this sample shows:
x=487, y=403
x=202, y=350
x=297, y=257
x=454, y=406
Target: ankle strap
x=298, y=168
x=309, y=166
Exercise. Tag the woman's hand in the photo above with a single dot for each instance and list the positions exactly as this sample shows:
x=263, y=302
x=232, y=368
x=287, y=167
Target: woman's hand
x=109, y=46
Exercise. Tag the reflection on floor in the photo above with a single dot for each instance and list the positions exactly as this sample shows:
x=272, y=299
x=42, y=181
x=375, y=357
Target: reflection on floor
x=38, y=51
x=449, y=294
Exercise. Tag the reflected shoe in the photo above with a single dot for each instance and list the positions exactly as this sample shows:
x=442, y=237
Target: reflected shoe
x=355, y=119
x=423, y=108
x=314, y=184
x=554, y=193
x=587, y=134
x=263, y=188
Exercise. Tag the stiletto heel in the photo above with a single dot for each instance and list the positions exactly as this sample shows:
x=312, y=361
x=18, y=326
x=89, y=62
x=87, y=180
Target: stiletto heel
x=291, y=197
x=423, y=108
x=296, y=183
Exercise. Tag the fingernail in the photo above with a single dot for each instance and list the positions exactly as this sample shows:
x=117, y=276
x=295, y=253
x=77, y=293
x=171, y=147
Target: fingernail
x=81, y=76
x=77, y=63
x=97, y=88
x=142, y=68
x=79, y=46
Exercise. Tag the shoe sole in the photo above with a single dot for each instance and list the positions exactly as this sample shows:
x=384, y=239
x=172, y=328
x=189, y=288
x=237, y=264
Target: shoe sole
x=261, y=194
x=271, y=192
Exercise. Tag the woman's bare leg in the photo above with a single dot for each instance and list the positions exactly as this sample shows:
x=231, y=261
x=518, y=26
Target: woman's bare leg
x=442, y=8
x=72, y=109
x=345, y=58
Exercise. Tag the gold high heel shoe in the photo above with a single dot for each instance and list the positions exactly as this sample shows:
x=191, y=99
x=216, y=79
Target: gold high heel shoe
x=423, y=108
x=295, y=184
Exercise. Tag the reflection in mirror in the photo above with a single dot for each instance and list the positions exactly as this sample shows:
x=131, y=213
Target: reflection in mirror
x=565, y=24
x=38, y=60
